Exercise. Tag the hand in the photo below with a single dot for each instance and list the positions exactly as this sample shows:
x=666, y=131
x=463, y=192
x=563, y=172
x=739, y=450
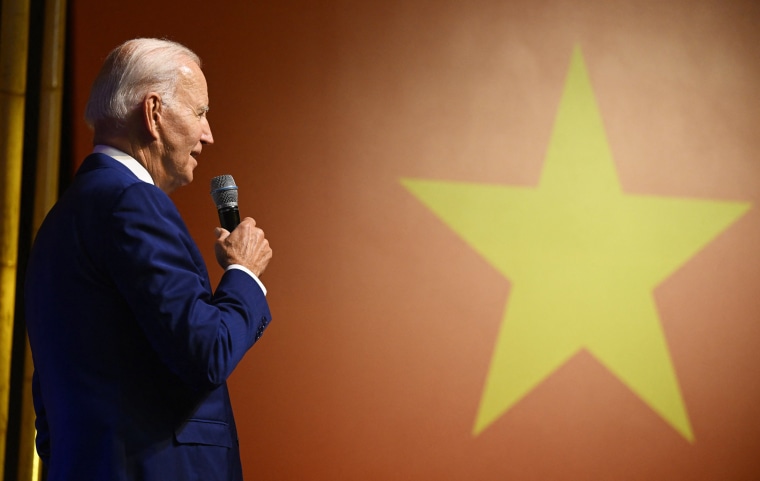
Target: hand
x=246, y=245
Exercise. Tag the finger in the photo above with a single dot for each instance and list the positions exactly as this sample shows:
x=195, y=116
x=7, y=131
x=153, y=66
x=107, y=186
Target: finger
x=221, y=233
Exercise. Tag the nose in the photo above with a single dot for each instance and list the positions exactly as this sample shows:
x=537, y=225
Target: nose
x=206, y=135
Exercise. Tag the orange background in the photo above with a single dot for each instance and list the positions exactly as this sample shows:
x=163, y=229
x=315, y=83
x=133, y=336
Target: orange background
x=384, y=319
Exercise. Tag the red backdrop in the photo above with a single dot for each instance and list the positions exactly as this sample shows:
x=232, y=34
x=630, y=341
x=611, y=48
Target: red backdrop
x=384, y=319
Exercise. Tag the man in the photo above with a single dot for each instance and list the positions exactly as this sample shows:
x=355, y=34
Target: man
x=131, y=346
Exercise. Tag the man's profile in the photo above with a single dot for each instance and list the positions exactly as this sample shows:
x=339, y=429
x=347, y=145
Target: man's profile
x=131, y=344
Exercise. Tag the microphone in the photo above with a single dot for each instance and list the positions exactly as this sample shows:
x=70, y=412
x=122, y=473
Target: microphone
x=224, y=192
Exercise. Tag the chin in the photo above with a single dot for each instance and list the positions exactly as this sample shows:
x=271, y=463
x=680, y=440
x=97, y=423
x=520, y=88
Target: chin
x=180, y=182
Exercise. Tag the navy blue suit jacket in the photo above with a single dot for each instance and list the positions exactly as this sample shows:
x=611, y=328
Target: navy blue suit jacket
x=132, y=347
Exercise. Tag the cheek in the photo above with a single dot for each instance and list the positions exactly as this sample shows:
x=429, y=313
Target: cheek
x=190, y=137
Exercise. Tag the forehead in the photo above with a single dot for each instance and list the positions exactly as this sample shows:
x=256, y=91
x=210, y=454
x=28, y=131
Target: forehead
x=193, y=82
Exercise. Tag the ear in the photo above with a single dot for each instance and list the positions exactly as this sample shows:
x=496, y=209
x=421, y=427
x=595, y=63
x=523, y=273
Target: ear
x=152, y=113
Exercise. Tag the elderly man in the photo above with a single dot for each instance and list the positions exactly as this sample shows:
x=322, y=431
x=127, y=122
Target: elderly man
x=132, y=347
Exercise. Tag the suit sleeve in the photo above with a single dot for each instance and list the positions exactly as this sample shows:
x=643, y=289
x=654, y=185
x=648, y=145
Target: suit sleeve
x=199, y=335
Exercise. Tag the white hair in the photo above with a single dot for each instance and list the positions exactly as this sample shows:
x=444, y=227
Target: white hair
x=130, y=71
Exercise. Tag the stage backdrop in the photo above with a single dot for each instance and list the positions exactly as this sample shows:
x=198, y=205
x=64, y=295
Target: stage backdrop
x=512, y=239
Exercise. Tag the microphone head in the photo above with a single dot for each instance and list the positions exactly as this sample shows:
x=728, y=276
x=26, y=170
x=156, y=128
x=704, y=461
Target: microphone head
x=224, y=191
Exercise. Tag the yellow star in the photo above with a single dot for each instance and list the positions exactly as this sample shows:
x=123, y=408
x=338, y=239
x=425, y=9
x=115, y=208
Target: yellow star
x=583, y=258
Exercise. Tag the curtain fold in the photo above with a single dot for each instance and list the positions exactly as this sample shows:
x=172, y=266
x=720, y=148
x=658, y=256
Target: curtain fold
x=14, y=49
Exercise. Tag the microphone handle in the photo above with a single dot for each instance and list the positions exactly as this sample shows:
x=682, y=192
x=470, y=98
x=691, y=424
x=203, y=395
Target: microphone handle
x=229, y=217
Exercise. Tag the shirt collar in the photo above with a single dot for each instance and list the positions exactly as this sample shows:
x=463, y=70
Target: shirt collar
x=125, y=159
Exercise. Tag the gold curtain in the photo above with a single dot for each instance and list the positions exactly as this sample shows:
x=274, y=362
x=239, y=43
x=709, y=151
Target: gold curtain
x=14, y=49
x=14, y=57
